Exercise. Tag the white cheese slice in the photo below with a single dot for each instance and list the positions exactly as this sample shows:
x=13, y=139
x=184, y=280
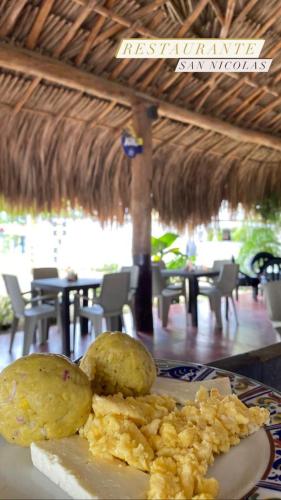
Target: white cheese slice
x=182, y=390
x=69, y=464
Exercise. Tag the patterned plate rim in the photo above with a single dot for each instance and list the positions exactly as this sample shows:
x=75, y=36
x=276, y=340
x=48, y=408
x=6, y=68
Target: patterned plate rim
x=270, y=482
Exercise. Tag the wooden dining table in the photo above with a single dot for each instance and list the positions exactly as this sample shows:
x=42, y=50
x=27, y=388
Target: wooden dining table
x=192, y=275
x=63, y=286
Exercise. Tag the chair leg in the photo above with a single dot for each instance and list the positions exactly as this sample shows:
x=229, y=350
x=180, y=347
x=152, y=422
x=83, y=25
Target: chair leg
x=133, y=312
x=29, y=327
x=216, y=304
x=234, y=309
x=226, y=308
x=211, y=302
x=236, y=293
x=74, y=333
x=159, y=307
x=59, y=318
x=97, y=323
x=255, y=292
x=112, y=323
x=14, y=327
x=123, y=323
x=43, y=330
x=76, y=309
x=164, y=303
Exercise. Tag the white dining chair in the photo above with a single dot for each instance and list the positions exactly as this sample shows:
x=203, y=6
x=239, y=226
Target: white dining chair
x=164, y=295
x=272, y=296
x=223, y=287
x=44, y=273
x=32, y=311
x=175, y=284
x=134, y=280
x=109, y=305
x=216, y=267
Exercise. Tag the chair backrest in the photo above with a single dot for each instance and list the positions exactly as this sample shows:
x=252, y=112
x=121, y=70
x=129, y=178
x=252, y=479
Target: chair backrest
x=272, y=294
x=134, y=276
x=272, y=270
x=218, y=264
x=44, y=272
x=114, y=291
x=158, y=281
x=159, y=263
x=14, y=292
x=227, y=279
x=259, y=261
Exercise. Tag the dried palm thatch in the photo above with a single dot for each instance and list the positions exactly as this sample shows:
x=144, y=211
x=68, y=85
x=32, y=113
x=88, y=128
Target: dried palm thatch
x=218, y=136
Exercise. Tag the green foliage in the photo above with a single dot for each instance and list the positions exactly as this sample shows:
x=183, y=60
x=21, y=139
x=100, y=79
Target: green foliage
x=210, y=234
x=255, y=239
x=108, y=268
x=216, y=234
x=219, y=235
x=177, y=263
x=269, y=209
x=6, y=218
x=161, y=248
x=6, y=313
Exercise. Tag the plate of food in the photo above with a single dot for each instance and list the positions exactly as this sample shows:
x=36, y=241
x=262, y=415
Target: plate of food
x=117, y=427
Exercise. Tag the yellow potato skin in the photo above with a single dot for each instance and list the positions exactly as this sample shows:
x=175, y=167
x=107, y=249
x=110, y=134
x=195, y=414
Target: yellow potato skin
x=120, y=364
x=42, y=396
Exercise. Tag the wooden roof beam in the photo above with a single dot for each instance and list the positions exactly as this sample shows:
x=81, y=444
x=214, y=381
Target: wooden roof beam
x=10, y=18
x=83, y=14
x=116, y=128
x=90, y=40
x=228, y=18
x=217, y=10
x=143, y=11
x=212, y=82
x=58, y=72
x=32, y=86
x=147, y=9
x=94, y=38
x=181, y=32
x=39, y=22
x=245, y=11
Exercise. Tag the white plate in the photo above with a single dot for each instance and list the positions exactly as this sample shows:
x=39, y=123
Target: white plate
x=238, y=471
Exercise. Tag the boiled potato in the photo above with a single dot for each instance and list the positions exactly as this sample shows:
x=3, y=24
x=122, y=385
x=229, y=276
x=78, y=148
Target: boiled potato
x=115, y=362
x=42, y=396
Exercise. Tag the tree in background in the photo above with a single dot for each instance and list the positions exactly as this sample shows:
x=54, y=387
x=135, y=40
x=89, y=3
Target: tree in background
x=261, y=234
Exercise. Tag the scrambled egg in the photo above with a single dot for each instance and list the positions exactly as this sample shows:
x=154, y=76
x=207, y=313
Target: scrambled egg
x=175, y=445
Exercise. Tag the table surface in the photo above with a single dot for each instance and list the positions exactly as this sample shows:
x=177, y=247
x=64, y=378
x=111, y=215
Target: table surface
x=185, y=273
x=64, y=284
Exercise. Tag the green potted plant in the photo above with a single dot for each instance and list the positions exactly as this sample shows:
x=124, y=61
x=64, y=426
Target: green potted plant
x=162, y=247
x=6, y=313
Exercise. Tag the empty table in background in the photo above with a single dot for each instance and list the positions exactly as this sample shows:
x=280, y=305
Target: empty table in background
x=64, y=286
x=192, y=276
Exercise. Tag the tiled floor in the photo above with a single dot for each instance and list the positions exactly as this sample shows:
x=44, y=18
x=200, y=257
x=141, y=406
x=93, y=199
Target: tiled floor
x=180, y=341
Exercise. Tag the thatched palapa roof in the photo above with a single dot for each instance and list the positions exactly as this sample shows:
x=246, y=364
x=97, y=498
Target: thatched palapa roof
x=65, y=99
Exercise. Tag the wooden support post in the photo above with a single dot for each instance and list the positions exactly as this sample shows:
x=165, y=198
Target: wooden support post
x=55, y=71
x=141, y=218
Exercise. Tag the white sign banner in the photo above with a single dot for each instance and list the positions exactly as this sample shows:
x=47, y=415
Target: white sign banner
x=194, y=48
x=223, y=65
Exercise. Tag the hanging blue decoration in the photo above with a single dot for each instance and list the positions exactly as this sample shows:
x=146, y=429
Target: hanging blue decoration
x=132, y=145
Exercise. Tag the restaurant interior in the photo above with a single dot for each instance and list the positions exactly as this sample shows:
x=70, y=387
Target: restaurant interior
x=140, y=200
